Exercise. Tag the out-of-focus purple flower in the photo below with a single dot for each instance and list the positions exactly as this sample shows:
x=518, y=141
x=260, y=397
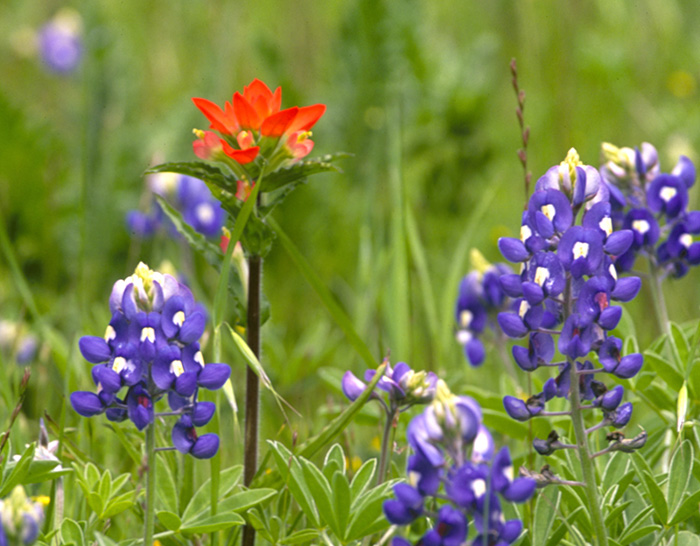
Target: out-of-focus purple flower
x=61, y=42
x=190, y=196
x=407, y=506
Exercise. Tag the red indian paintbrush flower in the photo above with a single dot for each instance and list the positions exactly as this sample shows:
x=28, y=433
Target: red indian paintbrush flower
x=253, y=121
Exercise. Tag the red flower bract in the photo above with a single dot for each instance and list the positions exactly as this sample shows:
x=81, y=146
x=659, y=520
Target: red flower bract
x=255, y=115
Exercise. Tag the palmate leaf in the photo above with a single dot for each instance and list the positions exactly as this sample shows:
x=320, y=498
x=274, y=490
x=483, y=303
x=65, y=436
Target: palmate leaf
x=300, y=170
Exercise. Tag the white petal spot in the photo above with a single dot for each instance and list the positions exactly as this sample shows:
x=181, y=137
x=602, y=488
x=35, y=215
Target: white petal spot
x=612, y=271
x=204, y=213
x=525, y=233
x=541, y=275
x=549, y=211
x=177, y=368
x=524, y=308
x=580, y=250
x=179, y=318
x=463, y=337
x=641, y=226
x=686, y=240
x=119, y=364
x=110, y=333
x=479, y=487
x=149, y=334
x=199, y=359
x=465, y=318
x=508, y=471
x=606, y=225
x=667, y=193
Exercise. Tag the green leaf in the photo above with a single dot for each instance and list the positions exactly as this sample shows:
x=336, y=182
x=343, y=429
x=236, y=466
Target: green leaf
x=688, y=508
x=341, y=502
x=209, y=172
x=258, y=237
x=290, y=469
x=335, y=454
x=117, y=506
x=170, y=520
x=545, y=513
x=212, y=524
x=71, y=532
x=664, y=369
x=41, y=471
x=200, y=500
x=654, y=493
x=105, y=488
x=680, y=344
x=321, y=492
x=686, y=538
x=305, y=535
x=199, y=243
x=613, y=515
x=615, y=470
x=631, y=538
x=366, y=514
x=560, y=531
x=635, y=523
x=362, y=478
x=238, y=502
x=14, y=474
x=300, y=170
x=166, y=490
x=95, y=503
x=328, y=300
x=679, y=475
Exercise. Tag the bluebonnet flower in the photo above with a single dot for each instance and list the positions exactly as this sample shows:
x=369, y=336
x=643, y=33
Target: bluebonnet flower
x=189, y=195
x=653, y=204
x=454, y=461
x=150, y=350
x=61, y=42
x=403, y=386
x=569, y=283
x=480, y=297
x=20, y=518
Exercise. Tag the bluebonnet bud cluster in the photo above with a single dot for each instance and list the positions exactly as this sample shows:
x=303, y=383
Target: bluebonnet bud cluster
x=20, y=518
x=567, y=287
x=454, y=461
x=150, y=351
x=480, y=298
x=403, y=387
x=189, y=195
x=653, y=205
x=61, y=42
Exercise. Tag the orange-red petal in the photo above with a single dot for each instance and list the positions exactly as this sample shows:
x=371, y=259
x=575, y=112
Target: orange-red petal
x=307, y=117
x=241, y=156
x=245, y=113
x=219, y=120
x=277, y=124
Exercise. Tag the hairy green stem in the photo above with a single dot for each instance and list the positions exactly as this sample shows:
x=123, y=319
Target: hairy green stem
x=387, y=442
x=150, y=483
x=252, y=393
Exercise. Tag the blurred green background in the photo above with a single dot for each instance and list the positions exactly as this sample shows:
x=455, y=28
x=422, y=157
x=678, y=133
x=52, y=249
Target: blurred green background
x=419, y=92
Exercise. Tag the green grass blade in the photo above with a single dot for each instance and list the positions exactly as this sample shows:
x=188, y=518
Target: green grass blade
x=340, y=317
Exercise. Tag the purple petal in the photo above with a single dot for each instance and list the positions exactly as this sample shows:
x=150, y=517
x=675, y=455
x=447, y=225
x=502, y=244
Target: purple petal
x=94, y=349
x=86, y=404
x=213, y=376
x=206, y=446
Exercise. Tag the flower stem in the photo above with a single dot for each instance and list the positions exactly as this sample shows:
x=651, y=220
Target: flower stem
x=387, y=442
x=587, y=467
x=252, y=393
x=150, y=483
